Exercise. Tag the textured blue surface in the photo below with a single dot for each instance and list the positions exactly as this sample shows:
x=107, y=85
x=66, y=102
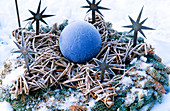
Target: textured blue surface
x=79, y=42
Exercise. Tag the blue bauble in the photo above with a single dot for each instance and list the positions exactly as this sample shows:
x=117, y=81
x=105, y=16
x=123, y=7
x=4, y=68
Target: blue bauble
x=79, y=42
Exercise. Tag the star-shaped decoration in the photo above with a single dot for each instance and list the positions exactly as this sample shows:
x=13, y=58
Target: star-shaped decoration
x=94, y=7
x=136, y=26
x=105, y=65
x=25, y=52
x=38, y=17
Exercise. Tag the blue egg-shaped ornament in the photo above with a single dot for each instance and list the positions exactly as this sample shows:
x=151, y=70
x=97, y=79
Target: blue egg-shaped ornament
x=79, y=42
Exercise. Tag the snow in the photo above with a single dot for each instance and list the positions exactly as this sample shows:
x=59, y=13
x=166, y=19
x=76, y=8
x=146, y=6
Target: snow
x=8, y=80
x=130, y=98
x=135, y=92
x=5, y=106
x=146, y=107
x=133, y=61
x=142, y=83
x=138, y=91
x=91, y=104
x=142, y=58
x=164, y=106
x=72, y=98
x=156, y=11
x=143, y=65
x=141, y=73
x=127, y=81
x=43, y=107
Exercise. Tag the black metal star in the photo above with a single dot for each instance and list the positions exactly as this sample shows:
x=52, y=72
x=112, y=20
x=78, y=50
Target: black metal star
x=94, y=7
x=25, y=52
x=105, y=66
x=136, y=26
x=38, y=17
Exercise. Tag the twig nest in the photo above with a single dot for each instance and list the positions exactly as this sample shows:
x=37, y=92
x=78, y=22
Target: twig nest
x=79, y=42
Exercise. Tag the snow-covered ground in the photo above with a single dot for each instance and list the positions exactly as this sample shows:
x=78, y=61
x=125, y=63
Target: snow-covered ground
x=157, y=11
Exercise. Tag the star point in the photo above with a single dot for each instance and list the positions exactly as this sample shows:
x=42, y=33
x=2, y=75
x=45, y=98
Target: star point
x=94, y=8
x=137, y=26
x=25, y=53
x=38, y=17
x=105, y=65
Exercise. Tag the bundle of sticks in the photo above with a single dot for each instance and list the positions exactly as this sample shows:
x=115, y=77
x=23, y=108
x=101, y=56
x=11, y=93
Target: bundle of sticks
x=54, y=71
